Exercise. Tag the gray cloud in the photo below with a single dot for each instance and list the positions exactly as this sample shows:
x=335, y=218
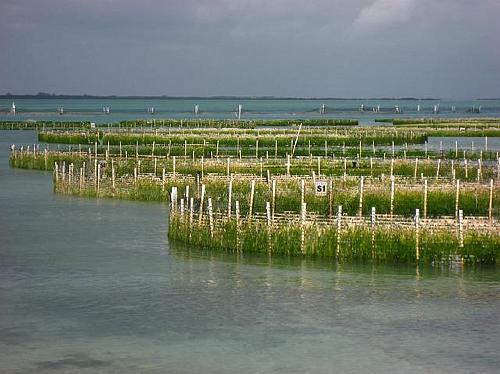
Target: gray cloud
x=358, y=48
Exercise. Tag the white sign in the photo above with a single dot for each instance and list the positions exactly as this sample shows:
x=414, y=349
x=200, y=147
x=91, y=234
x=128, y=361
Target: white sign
x=320, y=188
x=92, y=125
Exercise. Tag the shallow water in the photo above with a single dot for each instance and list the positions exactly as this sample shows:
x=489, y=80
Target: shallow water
x=92, y=286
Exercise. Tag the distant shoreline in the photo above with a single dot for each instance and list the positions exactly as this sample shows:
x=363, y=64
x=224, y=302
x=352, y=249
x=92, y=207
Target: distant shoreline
x=164, y=97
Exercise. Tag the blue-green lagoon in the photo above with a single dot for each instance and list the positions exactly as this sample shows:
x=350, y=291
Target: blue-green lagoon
x=94, y=286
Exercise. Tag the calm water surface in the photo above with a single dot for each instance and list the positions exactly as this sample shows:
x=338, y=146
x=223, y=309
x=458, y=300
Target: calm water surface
x=94, y=286
x=127, y=109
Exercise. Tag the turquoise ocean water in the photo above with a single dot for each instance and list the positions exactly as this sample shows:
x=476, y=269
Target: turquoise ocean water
x=125, y=109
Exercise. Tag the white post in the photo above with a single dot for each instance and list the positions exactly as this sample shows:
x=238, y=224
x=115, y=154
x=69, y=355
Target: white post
x=339, y=228
x=202, y=198
x=173, y=198
x=273, y=206
x=252, y=193
x=361, y=188
x=392, y=196
x=425, y=199
x=461, y=228
x=211, y=217
x=490, y=207
x=230, y=196
x=417, y=234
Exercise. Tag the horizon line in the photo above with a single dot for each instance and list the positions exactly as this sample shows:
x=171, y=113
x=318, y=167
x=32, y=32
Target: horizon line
x=43, y=95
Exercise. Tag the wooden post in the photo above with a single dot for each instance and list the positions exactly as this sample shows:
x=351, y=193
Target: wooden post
x=361, y=188
x=200, y=213
x=392, y=167
x=457, y=197
x=202, y=167
x=56, y=171
x=113, y=178
x=393, y=152
x=210, y=217
x=330, y=198
x=135, y=175
x=371, y=166
x=416, y=168
x=461, y=228
x=319, y=167
x=303, y=213
x=185, y=148
x=155, y=163
x=339, y=228
x=273, y=204
x=417, y=234
x=392, y=196
x=326, y=148
x=479, y=169
x=456, y=149
x=69, y=174
x=437, y=168
x=217, y=149
x=95, y=174
x=182, y=209
x=252, y=193
x=228, y=167
x=163, y=180
x=120, y=148
x=191, y=212
x=173, y=166
x=268, y=213
x=372, y=222
x=302, y=191
x=288, y=164
x=490, y=206
x=425, y=199
x=80, y=184
x=256, y=148
x=229, y=196
x=173, y=198
x=83, y=174
x=98, y=179
x=136, y=149
x=466, y=169
x=237, y=212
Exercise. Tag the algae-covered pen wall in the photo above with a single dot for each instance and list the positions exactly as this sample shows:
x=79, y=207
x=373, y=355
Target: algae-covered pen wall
x=378, y=238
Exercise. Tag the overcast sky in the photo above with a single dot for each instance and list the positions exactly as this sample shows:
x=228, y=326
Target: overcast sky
x=305, y=48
